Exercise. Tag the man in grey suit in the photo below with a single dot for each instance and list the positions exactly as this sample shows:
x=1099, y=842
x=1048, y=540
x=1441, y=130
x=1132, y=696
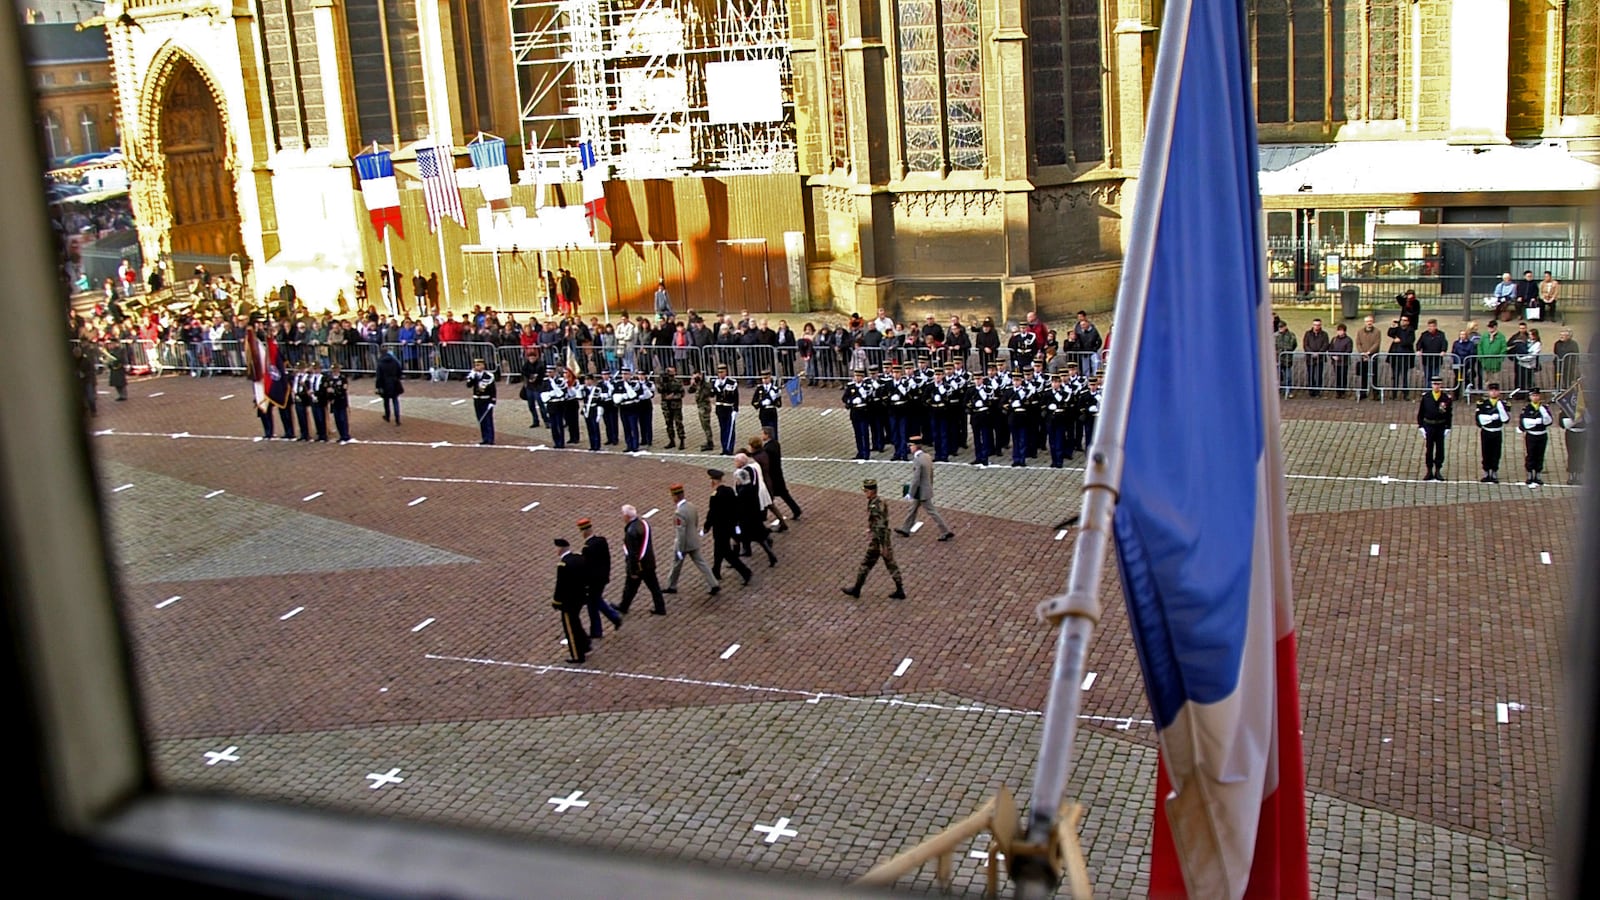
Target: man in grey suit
x=922, y=492
x=687, y=544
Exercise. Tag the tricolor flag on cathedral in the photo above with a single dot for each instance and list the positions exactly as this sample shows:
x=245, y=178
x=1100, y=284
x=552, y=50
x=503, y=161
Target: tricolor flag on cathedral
x=437, y=166
x=594, y=185
x=380, y=191
x=1201, y=523
x=494, y=176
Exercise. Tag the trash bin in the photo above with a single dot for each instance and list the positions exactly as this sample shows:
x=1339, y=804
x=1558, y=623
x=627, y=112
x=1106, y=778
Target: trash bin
x=1350, y=301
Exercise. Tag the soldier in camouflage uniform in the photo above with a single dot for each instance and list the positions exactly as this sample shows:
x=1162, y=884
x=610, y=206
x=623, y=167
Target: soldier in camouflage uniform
x=670, y=390
x=702, y=401
x=878, y=522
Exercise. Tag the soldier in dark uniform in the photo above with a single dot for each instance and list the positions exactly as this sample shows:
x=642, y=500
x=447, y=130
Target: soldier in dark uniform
x=980, y=404
x=1060, y=419
x=608, y=406
x=534, y=373
x=1492, y=416
x=336, y=394
x=857, y=399
x=481, y=380
x=589, y=401
x=722, y=517
x=726, y=392
x=597, y=565
x=877, y=545
x=897, y=401
x=302, y=400
x=671, y=392
x=939, y=397
x=627, y=396
x=767, y=398
x=1434, y=413
x=1016, y=401
x=557, y=394
x=703, y=395
x=1575, y=425
x=115, y=355
x=572, y=592
x=1534, y=423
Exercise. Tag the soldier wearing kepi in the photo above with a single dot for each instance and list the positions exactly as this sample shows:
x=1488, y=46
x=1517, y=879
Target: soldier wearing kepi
x=671, y=392
x=766, y=398
x=597, y=566
x=686, y=544
x=1492, y=417
x=1534, y=423
x=726, y=393
x=878, y=544
x=858, y=399
x=481, y=381
x=1433, y=422
x=337, y=389
x=572, y=589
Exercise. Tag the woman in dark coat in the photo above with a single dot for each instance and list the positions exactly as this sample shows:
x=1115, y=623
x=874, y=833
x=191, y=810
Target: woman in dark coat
x=752, y=512
x=389, y=386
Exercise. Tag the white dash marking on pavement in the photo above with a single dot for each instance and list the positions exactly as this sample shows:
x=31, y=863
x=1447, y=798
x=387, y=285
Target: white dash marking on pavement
x=179, y=434
x=1502, y=713
x=458, y=402
x=104, y=431
x=1384, y=479
x=905, y=664
x=531, y=506
x=546, y=484
x=826, y=411
x=437, y=444
x=215, y=494
x=291, y=613
x=563, y=804
x=310, y=497
x=416, y=501
x=1373, y=551
x=119, y=490
x=915, y=527
x=1393, y=426
x=169, y=601
x=1544, y=557
x=423, y=624
x=227, y=754
x=1088, y=680
x=728, y=653
x=158, y=394
x=778, y=829
x=653, y=511
x=390, y=777
x=1062, y=534
x=374, y=400
x=226, y=397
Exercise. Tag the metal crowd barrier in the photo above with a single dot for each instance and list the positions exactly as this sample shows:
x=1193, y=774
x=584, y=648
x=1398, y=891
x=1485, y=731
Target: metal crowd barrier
x=1336, y=374
x=456, y=358
x=1403, y=373
x=1515, y=373
x=416, y=358
x=1569, y=368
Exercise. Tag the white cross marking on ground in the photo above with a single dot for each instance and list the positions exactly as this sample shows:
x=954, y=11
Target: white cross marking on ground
x=1374, y=550
x=563, y=804
x=215, y=494
x=530, y=506
x=1088, y=680
x=1502, y=713
x=291, y=613
x=1544, y=557
x=168, y=602
x=310, y=497
x=905, y=664
x=390, y=777
x=423, y=624
x=227, y=754
x=416, y=501
x=728, y=653
x=652, y=512
x=779, y=829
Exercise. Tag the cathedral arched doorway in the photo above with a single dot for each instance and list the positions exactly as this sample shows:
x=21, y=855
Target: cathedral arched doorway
x=197, y=179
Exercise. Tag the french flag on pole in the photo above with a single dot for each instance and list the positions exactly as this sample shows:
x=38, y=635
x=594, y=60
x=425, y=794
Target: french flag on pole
x=380, y=191
x=594, y=185
x=1200, y=524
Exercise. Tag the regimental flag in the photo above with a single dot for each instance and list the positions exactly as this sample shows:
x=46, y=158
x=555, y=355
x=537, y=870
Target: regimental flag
x=267, y=378
x=494, y=176
x=594, y=186
x=437, y=166
x=1201, y=527
x=380, y=191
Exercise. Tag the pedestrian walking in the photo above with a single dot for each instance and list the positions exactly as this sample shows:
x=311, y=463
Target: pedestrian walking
x=686, y=543
x=570, y=596
x=921, y=492
x=597, y=565
x=722, y=521
x=481, y=381
x=878, y=546
x=640, y=565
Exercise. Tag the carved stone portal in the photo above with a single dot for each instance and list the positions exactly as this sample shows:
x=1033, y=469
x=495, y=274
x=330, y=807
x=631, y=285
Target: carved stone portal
x=187, y=167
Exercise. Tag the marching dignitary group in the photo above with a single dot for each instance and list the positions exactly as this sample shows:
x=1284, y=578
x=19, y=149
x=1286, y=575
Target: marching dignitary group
x=1435, y=412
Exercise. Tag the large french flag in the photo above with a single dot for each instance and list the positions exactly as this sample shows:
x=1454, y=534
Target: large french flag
x=594, y=185
x=380, y=191
x=1200, y=524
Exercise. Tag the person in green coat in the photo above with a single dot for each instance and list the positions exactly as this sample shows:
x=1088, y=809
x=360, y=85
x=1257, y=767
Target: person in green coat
x=1491, y=352
x=1284, y=341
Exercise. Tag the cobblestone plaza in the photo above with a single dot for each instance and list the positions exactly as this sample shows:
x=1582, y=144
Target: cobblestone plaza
x=368, y=627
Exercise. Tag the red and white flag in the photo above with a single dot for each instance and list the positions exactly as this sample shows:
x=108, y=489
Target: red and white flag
x=437, y=166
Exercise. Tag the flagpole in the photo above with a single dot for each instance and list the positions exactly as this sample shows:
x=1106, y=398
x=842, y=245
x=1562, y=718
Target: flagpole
x=388, y=277
x=444, y=267
x=1077, y=611
x=600, y=272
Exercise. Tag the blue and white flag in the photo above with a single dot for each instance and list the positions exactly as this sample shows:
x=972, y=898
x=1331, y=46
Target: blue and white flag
x=1201, y=527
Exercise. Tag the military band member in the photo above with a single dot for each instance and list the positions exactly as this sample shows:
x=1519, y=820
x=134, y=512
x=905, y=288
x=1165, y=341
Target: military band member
x=556, y=395
x=1575, y=426
x=627, y=396
x=1492, y=417
x=319, y=402
x=1088, y=412
x=1434, y=413
x=301, y=386
x=670, y=390
x=1016, y=400
x=939, y=398
x=481, y=381
x=590, y=398
x=999, y=427
x=686, y=544
x=960, y=379
x=1060, y=420
x=878, y=419
x=722, y=520
x=878, y=545
x=572, y=592
x=767, y=398
x=597, y=565
x=897, y=402
x=725, y=390
x=606, y=399
x=980, y=405
x=647, y=410
x=857, y=399
x=703, y=395
x=1534, y=423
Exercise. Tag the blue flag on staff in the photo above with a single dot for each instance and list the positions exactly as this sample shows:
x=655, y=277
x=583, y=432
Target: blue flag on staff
x=792, y=388
x=1200, y=524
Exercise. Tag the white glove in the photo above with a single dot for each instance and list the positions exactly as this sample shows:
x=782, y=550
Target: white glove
x=1447, y=432
x=1422, y=431
x=1566, y=422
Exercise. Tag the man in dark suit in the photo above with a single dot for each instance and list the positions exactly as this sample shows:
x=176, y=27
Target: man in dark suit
x=776, y=485
x=572, y=592
x=722, y=517
x=641, y=562
x=389, y=386
x=597, y=562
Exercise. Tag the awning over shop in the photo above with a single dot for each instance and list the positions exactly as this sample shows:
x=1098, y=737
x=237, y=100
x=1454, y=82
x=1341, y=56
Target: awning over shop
x=1421, y=173
x=89, y=197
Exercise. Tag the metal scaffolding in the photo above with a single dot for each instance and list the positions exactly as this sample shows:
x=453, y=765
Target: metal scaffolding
x=643, y=80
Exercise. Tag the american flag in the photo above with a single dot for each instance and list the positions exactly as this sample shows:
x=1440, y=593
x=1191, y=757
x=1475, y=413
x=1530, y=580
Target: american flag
x=438, y=169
